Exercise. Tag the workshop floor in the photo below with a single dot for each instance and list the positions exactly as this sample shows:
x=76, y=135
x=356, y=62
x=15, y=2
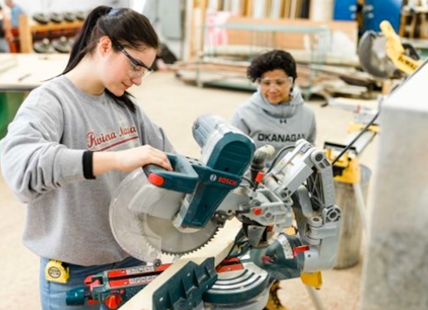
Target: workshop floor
x=175, y=105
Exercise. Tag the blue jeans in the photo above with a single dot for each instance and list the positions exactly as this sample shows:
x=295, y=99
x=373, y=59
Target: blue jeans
x=4, y=46
x=53, y=294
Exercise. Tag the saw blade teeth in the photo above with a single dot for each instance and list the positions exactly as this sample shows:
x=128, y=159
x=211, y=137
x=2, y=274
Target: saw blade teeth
x=159, y=251
x=163, y=235
x=177, y=253
x=191, y=251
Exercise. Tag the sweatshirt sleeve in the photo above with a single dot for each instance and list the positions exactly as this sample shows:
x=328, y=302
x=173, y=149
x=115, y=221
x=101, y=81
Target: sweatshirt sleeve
x=238, y=121
x=155, y=135
x=33, y=160
x=313, y=131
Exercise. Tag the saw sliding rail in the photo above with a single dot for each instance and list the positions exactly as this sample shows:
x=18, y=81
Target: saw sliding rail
x=112, y=287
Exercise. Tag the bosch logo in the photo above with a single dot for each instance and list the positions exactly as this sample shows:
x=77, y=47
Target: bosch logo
x=227, y=181
x=222, y=180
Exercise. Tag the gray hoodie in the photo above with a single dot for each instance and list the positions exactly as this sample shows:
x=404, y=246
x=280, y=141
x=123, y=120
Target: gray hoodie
x=278, y=125
x=41, y=159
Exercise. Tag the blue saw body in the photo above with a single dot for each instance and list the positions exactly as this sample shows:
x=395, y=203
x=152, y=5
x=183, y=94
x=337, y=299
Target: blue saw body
x=226, y=156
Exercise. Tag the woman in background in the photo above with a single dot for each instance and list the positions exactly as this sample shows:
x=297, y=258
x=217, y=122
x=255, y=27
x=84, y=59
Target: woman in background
x=276, y=113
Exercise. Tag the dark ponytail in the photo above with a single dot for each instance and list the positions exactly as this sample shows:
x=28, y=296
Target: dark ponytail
x=80, y=46
x=125, y=26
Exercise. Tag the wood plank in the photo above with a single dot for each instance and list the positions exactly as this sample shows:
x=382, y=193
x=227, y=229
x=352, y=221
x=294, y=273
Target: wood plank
x=25, y=35
x=29, y=70
x=293, y=9
x=249, y=8
x=259, y=9
x=353, y=104
x=287, y=39
x=218, y=248
x=298, y=11
x=287, y=9
x=213, y=5
x=276, y=9
x=244, y=5
x=56, y=26
x=189, y=33
x=234, y=6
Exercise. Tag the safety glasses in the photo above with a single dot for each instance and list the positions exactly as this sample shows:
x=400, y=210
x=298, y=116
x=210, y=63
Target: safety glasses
x=279, y=82
x=139, y=69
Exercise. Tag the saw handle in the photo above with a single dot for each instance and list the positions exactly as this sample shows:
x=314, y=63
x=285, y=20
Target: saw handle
x=183, y=178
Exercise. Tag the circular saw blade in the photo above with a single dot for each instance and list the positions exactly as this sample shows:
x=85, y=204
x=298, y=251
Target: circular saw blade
x=141, y=219
x=175, y=240
x=373, y=57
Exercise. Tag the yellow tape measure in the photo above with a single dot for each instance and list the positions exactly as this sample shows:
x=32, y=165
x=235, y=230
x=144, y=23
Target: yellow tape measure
x=55, y=271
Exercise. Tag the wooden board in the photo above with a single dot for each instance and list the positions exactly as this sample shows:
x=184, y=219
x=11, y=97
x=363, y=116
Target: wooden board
x=287, y=38
x=352, y=104
x=218, y=248
x=27, y=71
x=287, y=8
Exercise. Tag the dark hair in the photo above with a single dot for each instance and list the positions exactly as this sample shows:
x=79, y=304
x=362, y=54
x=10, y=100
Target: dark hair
x=272, y=60
x=123, y=26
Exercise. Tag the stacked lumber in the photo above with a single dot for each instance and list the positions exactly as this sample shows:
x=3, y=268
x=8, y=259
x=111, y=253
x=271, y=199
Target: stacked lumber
x=313, y=79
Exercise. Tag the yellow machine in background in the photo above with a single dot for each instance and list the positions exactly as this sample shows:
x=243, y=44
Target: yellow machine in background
x=383, y=54
x=396, y=51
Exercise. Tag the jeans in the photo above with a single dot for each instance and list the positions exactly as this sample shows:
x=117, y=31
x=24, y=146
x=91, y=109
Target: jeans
x=53, y=294
x=4, y=46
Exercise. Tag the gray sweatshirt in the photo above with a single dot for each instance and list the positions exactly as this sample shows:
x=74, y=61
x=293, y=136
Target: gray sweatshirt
x=278, y=125
x=41, y=159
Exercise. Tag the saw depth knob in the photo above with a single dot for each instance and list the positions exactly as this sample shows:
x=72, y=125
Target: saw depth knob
x=113, y=301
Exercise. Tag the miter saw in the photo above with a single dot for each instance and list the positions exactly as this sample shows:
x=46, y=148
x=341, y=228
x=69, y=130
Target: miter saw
x=155, y=211
x=384, y=56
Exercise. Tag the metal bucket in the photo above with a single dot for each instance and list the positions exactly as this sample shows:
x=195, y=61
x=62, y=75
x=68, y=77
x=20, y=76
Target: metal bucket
x=348, y=254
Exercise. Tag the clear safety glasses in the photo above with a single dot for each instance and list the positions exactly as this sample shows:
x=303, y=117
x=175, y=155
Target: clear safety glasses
x=279, y=82
x=139, y=69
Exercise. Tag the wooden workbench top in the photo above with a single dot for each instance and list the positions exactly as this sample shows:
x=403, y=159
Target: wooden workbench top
x=27, y=71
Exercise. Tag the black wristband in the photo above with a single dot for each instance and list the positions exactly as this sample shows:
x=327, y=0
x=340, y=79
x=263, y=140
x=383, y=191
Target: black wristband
x=88, y=171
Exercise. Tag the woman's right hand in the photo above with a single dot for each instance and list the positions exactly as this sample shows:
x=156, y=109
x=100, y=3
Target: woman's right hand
x=129, y=160
x=132, y=159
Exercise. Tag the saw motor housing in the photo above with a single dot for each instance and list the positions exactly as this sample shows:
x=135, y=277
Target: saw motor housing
x=226, y=155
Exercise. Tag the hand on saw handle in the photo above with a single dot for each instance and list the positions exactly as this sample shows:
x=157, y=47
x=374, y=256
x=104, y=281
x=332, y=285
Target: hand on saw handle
x=182, y=178
x=129, y=160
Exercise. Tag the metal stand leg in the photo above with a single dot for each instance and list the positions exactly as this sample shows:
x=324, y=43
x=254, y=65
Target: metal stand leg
x=360, y=203
x=316, y=300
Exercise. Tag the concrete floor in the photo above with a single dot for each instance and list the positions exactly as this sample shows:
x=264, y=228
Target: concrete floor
x=175, y=105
